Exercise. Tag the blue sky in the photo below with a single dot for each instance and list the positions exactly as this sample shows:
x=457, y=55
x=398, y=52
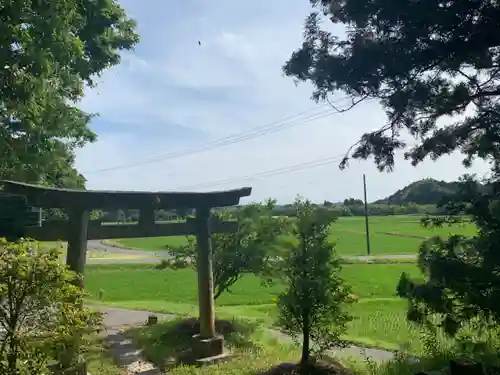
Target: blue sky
x=172, y=95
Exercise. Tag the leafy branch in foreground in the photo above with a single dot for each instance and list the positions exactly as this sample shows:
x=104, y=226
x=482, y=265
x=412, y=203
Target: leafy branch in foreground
x=462, y=273
x=422, y=61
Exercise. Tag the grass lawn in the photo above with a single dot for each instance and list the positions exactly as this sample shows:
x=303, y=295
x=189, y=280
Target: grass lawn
x=380, y=314
x=388, y=235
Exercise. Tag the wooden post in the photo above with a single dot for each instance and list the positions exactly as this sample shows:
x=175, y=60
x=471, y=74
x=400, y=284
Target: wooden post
x=77, y=242
x=205, y=277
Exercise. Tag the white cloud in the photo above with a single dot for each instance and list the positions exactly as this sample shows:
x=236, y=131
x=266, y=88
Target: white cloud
x=172, y=94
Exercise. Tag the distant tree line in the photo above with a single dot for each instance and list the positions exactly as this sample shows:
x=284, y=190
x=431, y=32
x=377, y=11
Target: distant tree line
x=418, y=198
x=338, y=210
x=123, y=215
x=358, y=209
x=132, y=215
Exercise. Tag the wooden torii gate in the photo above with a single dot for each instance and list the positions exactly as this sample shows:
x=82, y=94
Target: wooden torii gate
x=79, y=203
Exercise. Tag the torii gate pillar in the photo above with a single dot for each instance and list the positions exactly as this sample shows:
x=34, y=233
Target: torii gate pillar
x=205, y=276
x=208, y=346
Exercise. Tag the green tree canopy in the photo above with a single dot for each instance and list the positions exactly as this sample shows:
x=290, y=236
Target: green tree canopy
x=49, y=51
x=422, y=60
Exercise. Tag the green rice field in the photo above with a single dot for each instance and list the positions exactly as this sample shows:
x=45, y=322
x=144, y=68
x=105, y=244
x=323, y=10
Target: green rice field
x=388, y=235
x=380, y=316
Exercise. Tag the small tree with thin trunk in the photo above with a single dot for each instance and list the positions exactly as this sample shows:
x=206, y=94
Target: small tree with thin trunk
x=312, y=307
x=249, y=250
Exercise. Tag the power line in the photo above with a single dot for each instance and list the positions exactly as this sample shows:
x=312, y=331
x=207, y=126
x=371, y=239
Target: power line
x=235, y=138
x=238, y=137
x=272, y=172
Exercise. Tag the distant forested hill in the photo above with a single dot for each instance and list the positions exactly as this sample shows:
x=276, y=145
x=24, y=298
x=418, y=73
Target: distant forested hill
x=427, y=191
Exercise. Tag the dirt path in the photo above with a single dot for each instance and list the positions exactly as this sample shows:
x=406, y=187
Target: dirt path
x=122, y=349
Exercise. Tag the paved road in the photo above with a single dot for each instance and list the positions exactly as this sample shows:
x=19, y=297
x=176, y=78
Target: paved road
x=100, y=246
x=145, y=256
x=152, y=257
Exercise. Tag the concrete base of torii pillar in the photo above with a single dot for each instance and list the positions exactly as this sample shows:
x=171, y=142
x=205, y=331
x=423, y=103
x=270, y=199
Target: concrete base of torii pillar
x=209, y=351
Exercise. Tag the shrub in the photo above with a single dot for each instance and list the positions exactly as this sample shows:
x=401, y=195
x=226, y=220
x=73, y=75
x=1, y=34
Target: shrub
x=41, y=311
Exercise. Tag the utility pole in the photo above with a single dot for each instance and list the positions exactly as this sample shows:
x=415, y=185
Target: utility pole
x=368, y=250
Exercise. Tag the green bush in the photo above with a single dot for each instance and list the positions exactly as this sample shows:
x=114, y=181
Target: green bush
x=41, y=311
